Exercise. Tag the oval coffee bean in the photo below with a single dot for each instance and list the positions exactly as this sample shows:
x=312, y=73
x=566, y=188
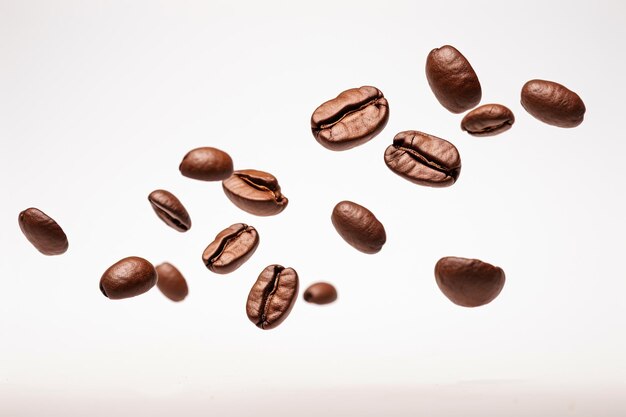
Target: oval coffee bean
x=43, y=232
x=488, y=120
x=553, y=103
x=351, y=119
x=359, y=227
x=231, y=248
x=424, y=159
x=452, y=79
x=468, y=282
x=171, y=282
x=320, y=293
x=206, y=164
x=256, y=192
x=272, y=296
x=127, y=278
x=170, y=210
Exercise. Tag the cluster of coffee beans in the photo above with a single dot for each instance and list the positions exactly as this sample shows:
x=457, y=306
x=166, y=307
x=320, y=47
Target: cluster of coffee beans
x=352, y=118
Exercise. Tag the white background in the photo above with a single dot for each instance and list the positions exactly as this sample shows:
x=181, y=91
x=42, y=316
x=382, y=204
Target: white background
x=99, y=101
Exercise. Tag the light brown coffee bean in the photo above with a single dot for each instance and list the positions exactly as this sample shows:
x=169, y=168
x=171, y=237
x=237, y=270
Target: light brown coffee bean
x=231, y=248
x=488, y=120
x=358, y=227
x=171, y=282
x=256, y=192
x=469, y=282
x=320, y=293
x=170, y=210
x=206, y=164
x=272, y=296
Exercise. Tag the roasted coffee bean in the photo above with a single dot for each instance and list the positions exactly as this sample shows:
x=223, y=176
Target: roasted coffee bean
x=171, y=282
x=256, y=192
x=351, y=119
x=424, y=159
x=206, y=164
x=127, y=278
x=43, y=232
x=468, y=282
x=170, y=210
x=320, y=293
x=488, y=120
x=272, y=296
x=452, y=79
x=231, y=248
x=359, y=227
x=553, y=103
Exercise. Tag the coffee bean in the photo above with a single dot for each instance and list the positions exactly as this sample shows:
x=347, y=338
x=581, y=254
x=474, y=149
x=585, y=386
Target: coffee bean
x=553, y=103
x=127, y=278
x=170, y=210
x=359, y=227
x=468, y=282
x=272, y=296
x=488, y=120
x=452, y=79
x=424, y=159
x=256, y=192
x=320, y=293
x=171, y=282
x=351, y=119
x=231, y=248
x=43, y=232
x=206, y=164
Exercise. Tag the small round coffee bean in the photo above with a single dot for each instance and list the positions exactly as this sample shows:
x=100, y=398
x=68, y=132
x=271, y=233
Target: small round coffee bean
x=170, y=210
x=231, y=248
x=358, y=227
x=352, y=118
x=272, y=296
x=488, y=120
x=452, y=79
x=256, y=192
x=553, y=103
x=128, y=277
x=469, y=282
x=207, y=164
x=42, y=232
x=320, y=293
x=171, y=282
x=423, y=159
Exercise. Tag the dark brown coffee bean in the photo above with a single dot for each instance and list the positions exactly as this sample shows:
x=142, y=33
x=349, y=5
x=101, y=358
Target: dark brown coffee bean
x=553, y=103
x=170, y=210
x=468, y=282
x=452, y=79
x=320, y=293
x=206, y=164
x=359, y=227
x=272, y=296
x=351, y=119
x=256, y=192
x=424, y=159
x=171, y=282
x=127, y=278
x=231, y=248
x=43, y=232
x=488, y=120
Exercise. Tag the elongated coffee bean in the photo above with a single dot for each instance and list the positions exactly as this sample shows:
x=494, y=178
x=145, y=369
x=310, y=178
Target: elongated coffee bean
x=553, y=103
x=452, y=79
x=127, y=278
x=468, y=282
x=256, y=192
x=206, y=164
x=320, y=293
x=488, y=120
x=359, y=227
x=171, y=282
x=170, y=210
x=231, y=248
x=424, y=159
x=351, y=119
x=272, y=296
x=43, y=232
